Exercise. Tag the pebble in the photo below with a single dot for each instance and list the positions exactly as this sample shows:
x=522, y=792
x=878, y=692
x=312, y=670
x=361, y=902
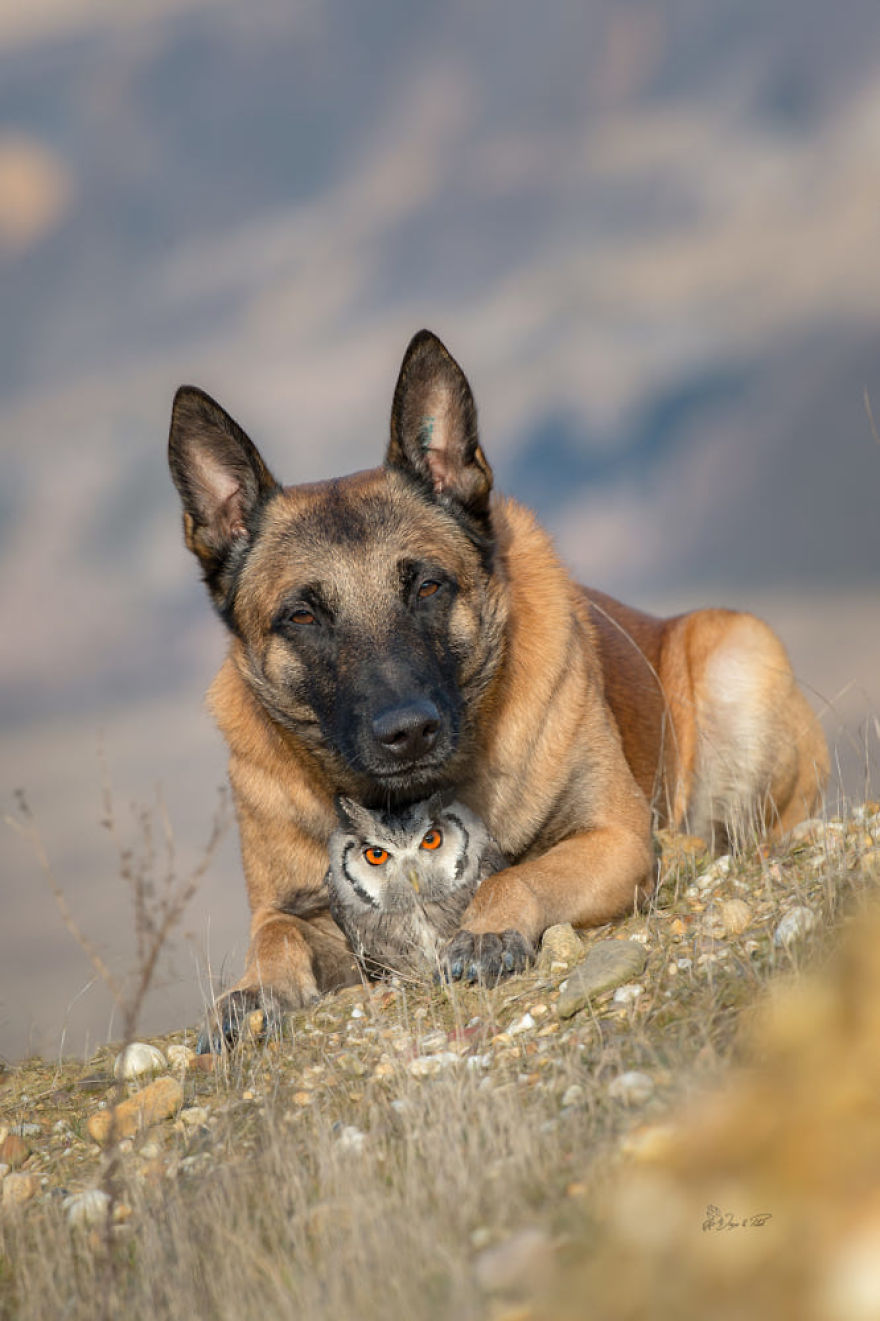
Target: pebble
x=573, y=1095
x=715, y=872
x=519, y=1265
x=137, y=1060
x=628, y=994
x=351, y=1139
x=425, y=1066
x=358, y=1012
x=737, y=916
x=14, y=1150
x=816, y=831
x=193, y=1115
x=795, y=924
x=608, y=964
x=26, y=1130
x=86, y=1210
x=524, y=1024
x=20, y=1188
x=632, y=1088
x=560, y=944
x=157, y=1101
x=180, y=1057
x=432, y=1042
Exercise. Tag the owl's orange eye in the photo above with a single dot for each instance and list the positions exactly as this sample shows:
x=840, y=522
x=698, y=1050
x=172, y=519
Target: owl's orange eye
x=433, y=839
x=375, y=857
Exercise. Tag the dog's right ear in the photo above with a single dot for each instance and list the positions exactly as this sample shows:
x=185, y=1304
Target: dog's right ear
x=223, y=483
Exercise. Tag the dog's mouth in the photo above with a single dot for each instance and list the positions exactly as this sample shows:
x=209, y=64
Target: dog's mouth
x=409, y=783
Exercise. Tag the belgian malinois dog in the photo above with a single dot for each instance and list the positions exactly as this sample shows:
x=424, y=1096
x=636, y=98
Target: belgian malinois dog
x=403, y=630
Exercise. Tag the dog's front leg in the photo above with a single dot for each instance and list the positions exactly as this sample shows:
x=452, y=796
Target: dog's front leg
x=586, y=879
x=291, y=962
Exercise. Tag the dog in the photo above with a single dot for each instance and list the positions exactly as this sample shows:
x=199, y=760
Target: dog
x=405, y=630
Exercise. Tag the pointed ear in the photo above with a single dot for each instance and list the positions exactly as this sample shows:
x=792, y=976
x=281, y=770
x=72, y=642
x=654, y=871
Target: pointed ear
x=352, y=816
x=221, y=479
x=434, y=428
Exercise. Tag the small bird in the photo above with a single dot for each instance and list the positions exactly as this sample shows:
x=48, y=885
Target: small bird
x=400, y=881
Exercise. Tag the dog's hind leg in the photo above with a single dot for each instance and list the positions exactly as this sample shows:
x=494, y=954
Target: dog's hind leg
x=760, y=760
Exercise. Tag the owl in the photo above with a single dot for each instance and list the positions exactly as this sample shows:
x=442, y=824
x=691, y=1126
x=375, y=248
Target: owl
x=400, y=881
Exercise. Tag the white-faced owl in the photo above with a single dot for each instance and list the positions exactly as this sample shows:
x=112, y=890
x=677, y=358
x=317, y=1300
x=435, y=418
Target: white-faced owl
x=400, y=881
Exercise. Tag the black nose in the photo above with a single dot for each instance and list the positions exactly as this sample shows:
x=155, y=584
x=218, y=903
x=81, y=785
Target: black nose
x=408, y=731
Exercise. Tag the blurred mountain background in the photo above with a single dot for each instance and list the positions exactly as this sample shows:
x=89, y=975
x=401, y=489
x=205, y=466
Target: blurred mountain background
x=649, y=232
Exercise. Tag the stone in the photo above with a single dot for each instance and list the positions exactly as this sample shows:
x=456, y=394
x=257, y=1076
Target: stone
x=519, y=1265
x=426, y=1066
x=351, y=1139
x=607, y=965
x=736, y=915
x=628, y=994
x=795, y=924
x=14, y=1151
x=138, y=1060
x=151, y=1104
x=524, y=1024
x=193, y=1115
x=26, y=1130
x=180, y=1057
x=86, y=1210
x=560, y=944
x=431, y=1042
x=573, y=1095
x=715, y=872
x=20, y=1188
x=632, y=1088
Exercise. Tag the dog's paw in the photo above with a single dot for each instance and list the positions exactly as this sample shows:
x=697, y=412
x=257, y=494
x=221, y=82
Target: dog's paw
x=485, y=958
x=230, y=1017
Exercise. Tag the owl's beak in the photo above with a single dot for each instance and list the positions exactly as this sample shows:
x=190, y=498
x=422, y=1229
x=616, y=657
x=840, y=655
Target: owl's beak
x=414, y=881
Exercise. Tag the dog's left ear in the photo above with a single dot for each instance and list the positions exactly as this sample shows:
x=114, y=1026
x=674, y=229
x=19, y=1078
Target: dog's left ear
x=434, y=428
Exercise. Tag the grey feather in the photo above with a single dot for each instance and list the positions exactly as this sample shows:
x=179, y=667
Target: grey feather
x=398, y=910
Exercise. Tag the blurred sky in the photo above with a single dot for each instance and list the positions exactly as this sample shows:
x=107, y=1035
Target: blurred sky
x=650, y=234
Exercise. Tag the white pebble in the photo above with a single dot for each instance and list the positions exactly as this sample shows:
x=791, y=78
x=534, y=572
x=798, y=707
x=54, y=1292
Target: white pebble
x=573, y=1095
x=479, y=1061
x=358, y=1012
x=26, y=1130
x=86, y=1209
x=684, y=964
x=193, y=1115
x=179, y=1056
x=425, y=1066
x=351, y=1139
x=715, y=872
x=795, y=924
x=628, y=994
x=631, y=1088
x=138, y=1059
x=524, y=1024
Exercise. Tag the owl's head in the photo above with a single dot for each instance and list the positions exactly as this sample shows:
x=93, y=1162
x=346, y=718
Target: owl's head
x=395, y=860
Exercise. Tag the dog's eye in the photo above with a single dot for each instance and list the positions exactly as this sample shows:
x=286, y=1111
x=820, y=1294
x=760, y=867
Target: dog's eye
x=428, y=588
x=302, y=616
x=433, y=839
x=375, y=857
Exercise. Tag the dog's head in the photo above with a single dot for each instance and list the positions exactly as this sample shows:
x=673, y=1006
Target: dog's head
x=367, y=616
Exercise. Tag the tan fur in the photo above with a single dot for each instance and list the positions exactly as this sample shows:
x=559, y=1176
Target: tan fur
x=590, y=722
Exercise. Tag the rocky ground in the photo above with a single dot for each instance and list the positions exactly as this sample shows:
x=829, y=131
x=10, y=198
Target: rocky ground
x=452, y=1145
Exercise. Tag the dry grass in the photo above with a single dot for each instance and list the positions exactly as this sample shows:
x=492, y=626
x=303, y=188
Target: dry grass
x=329, y=1179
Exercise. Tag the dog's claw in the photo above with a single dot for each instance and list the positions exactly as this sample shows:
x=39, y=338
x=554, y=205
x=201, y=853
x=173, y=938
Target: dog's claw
x=486, y=958
x=232, y=1013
